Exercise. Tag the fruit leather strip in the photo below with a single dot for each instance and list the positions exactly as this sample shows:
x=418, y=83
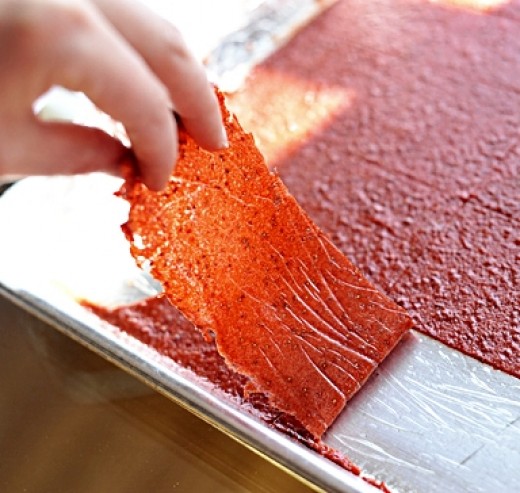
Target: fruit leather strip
x=158, y=324
x=238, y=256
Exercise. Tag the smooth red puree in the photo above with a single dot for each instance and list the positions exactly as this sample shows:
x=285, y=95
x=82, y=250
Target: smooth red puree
x=416, y=172
x=156, y=323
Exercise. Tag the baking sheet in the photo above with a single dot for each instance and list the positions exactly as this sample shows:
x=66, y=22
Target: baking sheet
x=430, y=419
x=61, y=241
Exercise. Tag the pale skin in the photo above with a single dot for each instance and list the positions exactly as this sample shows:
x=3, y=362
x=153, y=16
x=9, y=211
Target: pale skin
x=131, y=63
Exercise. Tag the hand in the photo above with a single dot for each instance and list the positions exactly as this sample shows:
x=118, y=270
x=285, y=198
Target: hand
x=131, y=63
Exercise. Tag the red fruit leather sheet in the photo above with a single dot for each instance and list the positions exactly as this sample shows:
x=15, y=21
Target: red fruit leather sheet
x=411, y=159
x=158, y=324
x=241, y=260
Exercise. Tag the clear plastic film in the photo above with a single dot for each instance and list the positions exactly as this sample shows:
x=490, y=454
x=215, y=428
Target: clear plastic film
x=433, y=419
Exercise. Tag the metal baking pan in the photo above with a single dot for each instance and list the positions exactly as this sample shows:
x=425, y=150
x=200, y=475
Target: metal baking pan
x=429, y=419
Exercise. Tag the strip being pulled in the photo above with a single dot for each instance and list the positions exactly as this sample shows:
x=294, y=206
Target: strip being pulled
x=239, y=258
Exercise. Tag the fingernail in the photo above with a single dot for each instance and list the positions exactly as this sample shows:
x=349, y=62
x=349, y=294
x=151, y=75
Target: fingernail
x=224, y=142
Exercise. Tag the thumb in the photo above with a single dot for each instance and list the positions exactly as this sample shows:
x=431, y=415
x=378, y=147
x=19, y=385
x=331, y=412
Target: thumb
x=51, y=148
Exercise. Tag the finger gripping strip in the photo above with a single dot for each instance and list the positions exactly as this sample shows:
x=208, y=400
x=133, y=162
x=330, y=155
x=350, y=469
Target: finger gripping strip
x=239, y=257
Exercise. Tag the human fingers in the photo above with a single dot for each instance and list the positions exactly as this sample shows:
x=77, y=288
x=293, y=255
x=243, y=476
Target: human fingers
x=166, y=53
x=48, y=148
x=82, y=51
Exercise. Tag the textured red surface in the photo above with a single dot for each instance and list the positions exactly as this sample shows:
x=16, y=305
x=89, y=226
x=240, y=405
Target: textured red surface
x=416, y=174
x=238, y=256
x=156, y=323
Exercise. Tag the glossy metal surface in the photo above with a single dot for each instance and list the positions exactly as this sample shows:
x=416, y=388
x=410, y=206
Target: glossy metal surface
x=72, y=422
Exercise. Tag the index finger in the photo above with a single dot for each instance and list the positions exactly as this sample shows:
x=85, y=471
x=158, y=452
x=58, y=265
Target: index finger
x=97, y=61
x=164, y=50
